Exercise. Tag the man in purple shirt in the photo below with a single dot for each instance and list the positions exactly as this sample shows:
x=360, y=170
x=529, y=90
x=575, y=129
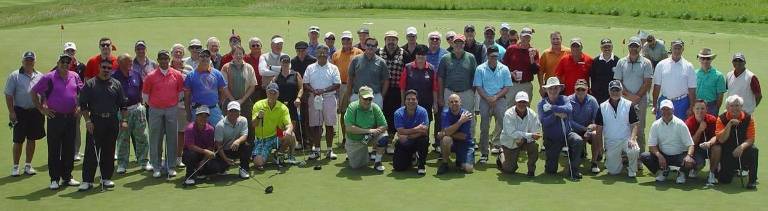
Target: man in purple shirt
x=199, y=147
x=131, y=79
x=60, y=89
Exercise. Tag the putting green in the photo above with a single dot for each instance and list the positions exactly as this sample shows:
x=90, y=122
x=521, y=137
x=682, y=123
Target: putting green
x=338, y=188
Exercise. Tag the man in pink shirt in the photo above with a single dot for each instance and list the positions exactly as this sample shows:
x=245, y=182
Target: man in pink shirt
x=161, y=92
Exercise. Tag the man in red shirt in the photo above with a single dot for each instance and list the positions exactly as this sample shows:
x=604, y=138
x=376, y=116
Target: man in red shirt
x=573, y=66
x=234, y=40
x=523, y=62
x=106, y=48
x=701, y=125
x=252, y=58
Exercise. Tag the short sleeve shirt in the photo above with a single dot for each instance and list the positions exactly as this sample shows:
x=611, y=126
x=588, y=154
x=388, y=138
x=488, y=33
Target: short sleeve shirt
x=675, y=78
x=457, y=74
x=368, y=72
x=202, y=138
x=403, y=120
x=632, y=73
x=447, y=119
x=63, y=97
x=709, y=84
x=492, y=81
x=226, y=132
x=321, y=77
x=205, y=86
x=276, y=117
x=369, y=118
x=19, y=84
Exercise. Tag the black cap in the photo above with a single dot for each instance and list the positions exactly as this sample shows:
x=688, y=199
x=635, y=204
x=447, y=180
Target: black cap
x=302, y=45
x=285, y=57
x=469, y=28
x=206, y=52
x=64, y=56
x=163, y=52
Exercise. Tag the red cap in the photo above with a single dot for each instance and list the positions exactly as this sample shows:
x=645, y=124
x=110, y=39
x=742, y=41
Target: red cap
x=234, y=36
x=459, y=37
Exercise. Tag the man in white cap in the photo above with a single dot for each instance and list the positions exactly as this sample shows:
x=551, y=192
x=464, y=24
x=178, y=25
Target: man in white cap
x=635, y=73
x=522, y=60
x=365, y=125
x=195, y=46
x=521, y=130
x=330, y=42
x=617, y=125
x=313, y=34
x=269, y=63
x=231, y=135
x=670, y=145
x=394, y=56
x=654, y=49
x=506, y=37
x=492, y=81
x=710, y=83
x=555, y=112
x=489, y=33
x=141, y=63
x=410, y=46
x=78, y=67
x=322, y=80
x=26, y=121
x=269, y=116
x=674, y=79
x=742, y=82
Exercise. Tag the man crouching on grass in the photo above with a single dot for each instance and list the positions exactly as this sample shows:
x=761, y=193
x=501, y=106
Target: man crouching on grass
x=365, y=123
x=269, y=117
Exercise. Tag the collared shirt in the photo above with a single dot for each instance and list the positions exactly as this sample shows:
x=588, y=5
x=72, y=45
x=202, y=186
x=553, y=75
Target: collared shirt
x=656, y=53
x=205, y=86
x=254, y=62
x=600, y=74
x=447, y=118
x=675, y=78
x=632, y=73
x=342, y=60
x=63, y=94
x=502, y=51
x=19, y=84
x=322, y=76
x=408, y=56
x=492, y=81
x=583, y=113
x=434, y=57
x=239, y=78
x=93, y=67
x=457, y=74
x=672, y=138
x=300, y=65
x=369, y=72
x=145, y=69
x=549, y=60
x=518, y=59
x=163, y=89
x=516, y=127
x=405, y=121
x=709, y=132
x=369, y=118
x=395, y=64
x=749, y=133
x=226, y=132
x=276, y=117
x=569, y=71
x=102, y=96
x=311, y=49
x=131, y=85
x=202, y=137
x=709, y=84
x=191, y=62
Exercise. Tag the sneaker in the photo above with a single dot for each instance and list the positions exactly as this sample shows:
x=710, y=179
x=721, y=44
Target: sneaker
x=244, y=174
x=390, y=150
x=752, y=185
x=692, y=173
x=108, y=183
x=483, y=159
x=595, y=168
x=54, y=185
x=330, y=155
x=476, y=147
x=372, y=156
x=442, y=169
x=743, y=173
x=15, y=171
x=78, y=157
x=498, y=163
x=680, y=178
x=564, y=151
x=156, y=174
x=85, y=186
x=179, y=163
x=29, y=170
x=73, y=182
x=711, y=178
x=314, y=155
x=379, y=167
x=147, y=167
x=661, y=176
x=495, y=150
x=577, y=175
x=632, y=174
x=291, y=160
x=421, y=171
x=171, y=173
x=120, y=169
x=189, y=182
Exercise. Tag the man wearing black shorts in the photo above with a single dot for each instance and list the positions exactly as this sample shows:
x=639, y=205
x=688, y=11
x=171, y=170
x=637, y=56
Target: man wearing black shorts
x=26, y=121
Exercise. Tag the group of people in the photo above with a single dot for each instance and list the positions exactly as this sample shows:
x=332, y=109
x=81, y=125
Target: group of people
x=387, y=96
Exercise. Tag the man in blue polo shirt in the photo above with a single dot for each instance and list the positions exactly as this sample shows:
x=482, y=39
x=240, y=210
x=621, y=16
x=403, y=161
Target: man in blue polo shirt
x=203, y=87
x=456, y=136
x=412, y=123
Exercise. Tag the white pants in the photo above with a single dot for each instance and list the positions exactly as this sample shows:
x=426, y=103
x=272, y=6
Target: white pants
x=613, y=150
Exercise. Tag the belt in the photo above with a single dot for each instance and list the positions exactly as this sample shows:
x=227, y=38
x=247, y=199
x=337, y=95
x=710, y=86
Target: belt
x=677, y=98
x=63, y=115
x=195, y=106
x=103, y=115
x=452, y=90
x=25, y=109
x=134, y=106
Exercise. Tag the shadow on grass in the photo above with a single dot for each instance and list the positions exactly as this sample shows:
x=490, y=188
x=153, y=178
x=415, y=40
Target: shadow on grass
x=609, y=179
x=9, y=179
x=355, y=174
x=40, y=194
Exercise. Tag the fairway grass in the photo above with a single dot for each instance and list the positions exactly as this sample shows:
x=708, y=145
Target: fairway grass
x=338, y=188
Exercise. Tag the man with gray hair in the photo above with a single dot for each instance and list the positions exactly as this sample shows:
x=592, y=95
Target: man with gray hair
x=213, y=45
x=135, y=117
x=735, y=130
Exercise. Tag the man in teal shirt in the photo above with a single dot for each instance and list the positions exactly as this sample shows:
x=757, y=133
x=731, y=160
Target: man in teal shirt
x=710, y=82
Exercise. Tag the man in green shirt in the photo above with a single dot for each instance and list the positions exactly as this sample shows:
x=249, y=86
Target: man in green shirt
x=365, y=124
x=273, y=129
x=710, y=83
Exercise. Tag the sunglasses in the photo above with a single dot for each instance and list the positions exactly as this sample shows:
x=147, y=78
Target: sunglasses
x=330, y=38
x=705, y=58
x=104, y=45
x=106, y=67
x=434, y=39
x=615, y=90
x=371, y=46
x=196, y=47
x=367, y=99
x=65, y=62
x=256, y=46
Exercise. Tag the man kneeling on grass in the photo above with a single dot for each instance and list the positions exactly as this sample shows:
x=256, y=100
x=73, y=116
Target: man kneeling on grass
x=271, y=116
x=365, y=123
x=231, y=135
x=456, y=136
x=521, y=130
x=199, y=148
x=412, y=123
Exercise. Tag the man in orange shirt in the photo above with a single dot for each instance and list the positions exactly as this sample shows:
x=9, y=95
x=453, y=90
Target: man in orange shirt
x=342, y=59
x=736, y=135
x=551, y=57
x=105, y=48
x=573, y=66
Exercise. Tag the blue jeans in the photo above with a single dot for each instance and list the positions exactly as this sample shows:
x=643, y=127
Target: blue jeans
x=552, y=152
x=213, y=119
x=681, y=107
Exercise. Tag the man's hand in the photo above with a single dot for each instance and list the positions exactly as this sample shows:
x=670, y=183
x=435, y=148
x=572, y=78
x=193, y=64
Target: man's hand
x=465, y=117
x=123, y=125
x=209, y=154
x=532, y=54
x=738, y=151
x=12, y=116
x=546, y=107
x=229, y=161
x=536, y=136
x=633, y=144
x=734, y=122
x=234, y=146
x=561, y=115
x=89, y=126
x=705, y=145
x=662, y=161
x=702, y=125
x=688, y=161
x=46, y=111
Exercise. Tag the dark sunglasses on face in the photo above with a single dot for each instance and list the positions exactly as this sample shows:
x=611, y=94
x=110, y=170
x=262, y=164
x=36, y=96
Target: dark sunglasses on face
x=706, y=58
x=331, y=38
x=615, y=90
x=367, y=99
x=196, y=47
x=434, y=39
x=104, y=45
x=255, y=46
x=106, y=67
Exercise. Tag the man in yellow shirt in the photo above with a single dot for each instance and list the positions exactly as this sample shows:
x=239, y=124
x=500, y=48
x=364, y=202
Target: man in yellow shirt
x=273, y=129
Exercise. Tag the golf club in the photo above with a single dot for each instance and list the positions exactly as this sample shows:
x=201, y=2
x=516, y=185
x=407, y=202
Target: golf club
x=301, y=129
x=741, y=169
x=267, y=189
x=565, y=138
x=98, y=162
x=200, y=167
x=710, y=159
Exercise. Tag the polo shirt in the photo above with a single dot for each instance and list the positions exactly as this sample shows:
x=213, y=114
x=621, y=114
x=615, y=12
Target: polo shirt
x=600, y=74
x=145, y=69
x=322, y=76
x=434, y=57
x=492, y=81
x=672, y=138
x=163, y=89
x=568, y=70
x=549, y=60
x=92, y=67
x=276, y=117
x=205, y=86
x=226, y=132
x=300, y=65
x=369, y=72
x=342, y=60
x=363, y=118
x=516, y=127
x=131, y=85
x=395, y=63
x=457, y=74
x=202, y=138
x=63, y=98
x=675, y=78
x=632, y=73
x=447, y=118
x=102, y=96
x=403, y=120
x=191, y=62
x=655, y=54
x=583, y=113
x=18, y=85
x=709, y=84
x=517, y=59
x=709, y=132
x=254, y=62
x=750, y=133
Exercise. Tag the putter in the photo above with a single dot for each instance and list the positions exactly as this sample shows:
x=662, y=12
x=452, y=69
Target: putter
x=301, y=129
x=98, y=163
x=565, y=138
x=267, y=189
x=710, y=160
x=199, y=167
x=738, y=143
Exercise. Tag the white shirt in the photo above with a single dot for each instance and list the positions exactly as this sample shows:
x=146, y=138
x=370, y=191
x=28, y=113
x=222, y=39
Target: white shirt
x=675, y=78
x=321, y=77
x=672, y=138
x=601, y=57
x=516, y=128
x=741, y=86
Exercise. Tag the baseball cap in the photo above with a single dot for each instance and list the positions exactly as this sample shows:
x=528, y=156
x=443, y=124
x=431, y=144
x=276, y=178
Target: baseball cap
x=678, y=42
x=615, y=84
x=634, y=40
x=505, y=26
x=70, y=45
x=195, y=42
x=581, y=83
x=450, y=35
x=391, y=33
x=605, y=42
x=202, y=110
x=469, y=28
x=64, y=56
x=365, y=92
x=205, y=52
x=234, y=105
x=526, y=31
x=314, y=29
x=667, y=103
x=29, y=55
x=301, y=45
x=140, y=43
x=234, y=36
x=576, y=40
x=459, y=37
x=739, y=55
x=363, y=30
x=285, y=58
x=411, y=31
x=434, y=34
x=163, y=52
x=489, y=28
x=273, y=87
x=329, y=35
x=277, y=40
x=346, y=34
x=521, y=96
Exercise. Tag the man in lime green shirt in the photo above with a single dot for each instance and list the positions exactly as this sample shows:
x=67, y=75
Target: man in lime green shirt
x=365, y=123
x=273, y=129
